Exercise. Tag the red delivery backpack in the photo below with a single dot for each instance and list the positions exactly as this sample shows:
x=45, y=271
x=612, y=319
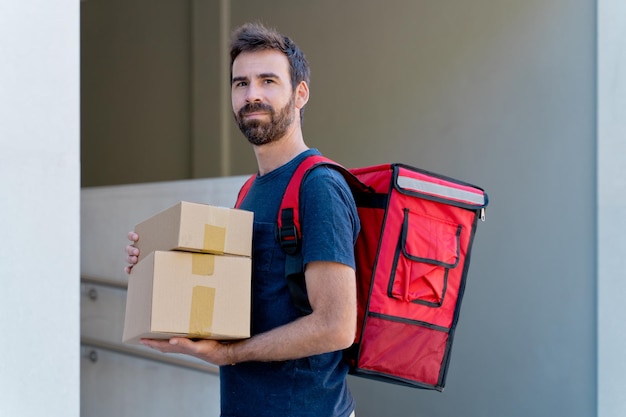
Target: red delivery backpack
x=412, y=256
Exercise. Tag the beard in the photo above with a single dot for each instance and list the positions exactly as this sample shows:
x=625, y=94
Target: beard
x=261, y=132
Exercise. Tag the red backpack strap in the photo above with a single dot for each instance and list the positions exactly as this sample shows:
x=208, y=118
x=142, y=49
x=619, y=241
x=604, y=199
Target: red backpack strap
x=243, y=191
x=289, y=231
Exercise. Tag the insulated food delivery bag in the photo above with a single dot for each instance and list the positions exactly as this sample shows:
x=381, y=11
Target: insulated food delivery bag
x=412, y=258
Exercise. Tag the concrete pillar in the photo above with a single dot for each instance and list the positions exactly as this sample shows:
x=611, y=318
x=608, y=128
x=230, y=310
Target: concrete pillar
x=611, y=117
x=39, y=208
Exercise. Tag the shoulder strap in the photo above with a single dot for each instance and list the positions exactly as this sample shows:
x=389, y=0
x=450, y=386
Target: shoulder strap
x=289, y=232
x=243, y=191
x=291, y=197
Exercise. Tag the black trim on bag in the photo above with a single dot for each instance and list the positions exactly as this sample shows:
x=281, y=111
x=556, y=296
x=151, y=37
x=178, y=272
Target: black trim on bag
x=404, y=320
x=429, y=260
x=371, y=200
x=455, y=203
x=393, y=379
x=401, y=248
x=455, y=319
x=354, y=352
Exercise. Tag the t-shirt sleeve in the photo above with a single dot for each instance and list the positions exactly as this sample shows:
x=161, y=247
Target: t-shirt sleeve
x=329, y=219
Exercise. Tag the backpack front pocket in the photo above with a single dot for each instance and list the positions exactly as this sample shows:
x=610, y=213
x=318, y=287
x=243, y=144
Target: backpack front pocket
x=427, y=249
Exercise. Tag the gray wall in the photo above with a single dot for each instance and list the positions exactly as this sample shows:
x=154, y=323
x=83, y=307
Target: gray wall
x=149, y=90
x=498, y=93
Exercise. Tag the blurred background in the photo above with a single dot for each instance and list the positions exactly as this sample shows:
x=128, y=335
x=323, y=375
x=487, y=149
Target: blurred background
x=498, y=93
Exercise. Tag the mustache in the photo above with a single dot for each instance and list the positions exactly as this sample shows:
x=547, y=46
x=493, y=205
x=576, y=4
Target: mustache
x=255, y=107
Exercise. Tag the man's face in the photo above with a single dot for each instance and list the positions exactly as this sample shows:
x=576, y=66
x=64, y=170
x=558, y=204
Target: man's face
x=262, y=98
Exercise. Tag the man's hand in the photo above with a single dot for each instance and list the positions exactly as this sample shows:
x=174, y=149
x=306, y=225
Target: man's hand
x=132, y=252
x=211, y=351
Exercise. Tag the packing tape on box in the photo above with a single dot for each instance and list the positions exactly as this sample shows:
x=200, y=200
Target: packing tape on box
x=201, y=315
x=214, y=239
x=202, y=264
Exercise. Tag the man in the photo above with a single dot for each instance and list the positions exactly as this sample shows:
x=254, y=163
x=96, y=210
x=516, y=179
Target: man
x=292, y=365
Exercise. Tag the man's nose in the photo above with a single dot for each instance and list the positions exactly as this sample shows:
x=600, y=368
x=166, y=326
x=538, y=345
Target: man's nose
x=253, y=94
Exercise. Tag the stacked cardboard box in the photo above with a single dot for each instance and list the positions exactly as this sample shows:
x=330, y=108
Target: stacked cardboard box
x=193, y=278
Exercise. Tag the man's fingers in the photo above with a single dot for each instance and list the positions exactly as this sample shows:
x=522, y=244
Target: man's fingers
x=181, y=343
x=132, y=251
x=174, y=345
x=160, y=345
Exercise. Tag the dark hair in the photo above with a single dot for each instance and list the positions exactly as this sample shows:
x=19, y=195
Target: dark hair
x=252, y=37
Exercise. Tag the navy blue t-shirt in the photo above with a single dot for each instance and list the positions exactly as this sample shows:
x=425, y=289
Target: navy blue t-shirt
x=316, y=385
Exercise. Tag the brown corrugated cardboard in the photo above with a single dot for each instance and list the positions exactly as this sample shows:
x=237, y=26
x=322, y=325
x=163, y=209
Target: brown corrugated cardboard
x=197, y=227
x=187, y=294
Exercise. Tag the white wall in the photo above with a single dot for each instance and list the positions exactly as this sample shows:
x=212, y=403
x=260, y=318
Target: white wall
x=39, y=208
x=611, y=109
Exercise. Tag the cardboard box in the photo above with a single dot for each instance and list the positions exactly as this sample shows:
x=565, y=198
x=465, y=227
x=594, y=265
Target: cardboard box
x=197, y=227
x=188, y=294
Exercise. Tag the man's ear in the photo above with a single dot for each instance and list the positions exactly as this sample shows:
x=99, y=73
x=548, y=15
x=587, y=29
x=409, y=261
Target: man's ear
x=302, y=94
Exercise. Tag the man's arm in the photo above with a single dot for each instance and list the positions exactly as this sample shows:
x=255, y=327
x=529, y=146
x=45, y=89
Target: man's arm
x=331, y=326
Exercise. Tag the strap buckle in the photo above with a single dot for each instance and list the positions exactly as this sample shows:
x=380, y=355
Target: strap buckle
x=287, y=233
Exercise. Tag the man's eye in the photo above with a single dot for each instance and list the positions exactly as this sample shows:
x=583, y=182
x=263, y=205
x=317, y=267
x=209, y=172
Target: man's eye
x=241, y=84
x=268, y=81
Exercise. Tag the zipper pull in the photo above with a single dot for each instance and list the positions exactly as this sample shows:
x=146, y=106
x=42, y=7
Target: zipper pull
x=482, y=214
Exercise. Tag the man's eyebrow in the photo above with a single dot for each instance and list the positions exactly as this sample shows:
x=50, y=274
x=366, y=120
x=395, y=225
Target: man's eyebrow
x=237, y=79
x=261, y=76
x=268, y=75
